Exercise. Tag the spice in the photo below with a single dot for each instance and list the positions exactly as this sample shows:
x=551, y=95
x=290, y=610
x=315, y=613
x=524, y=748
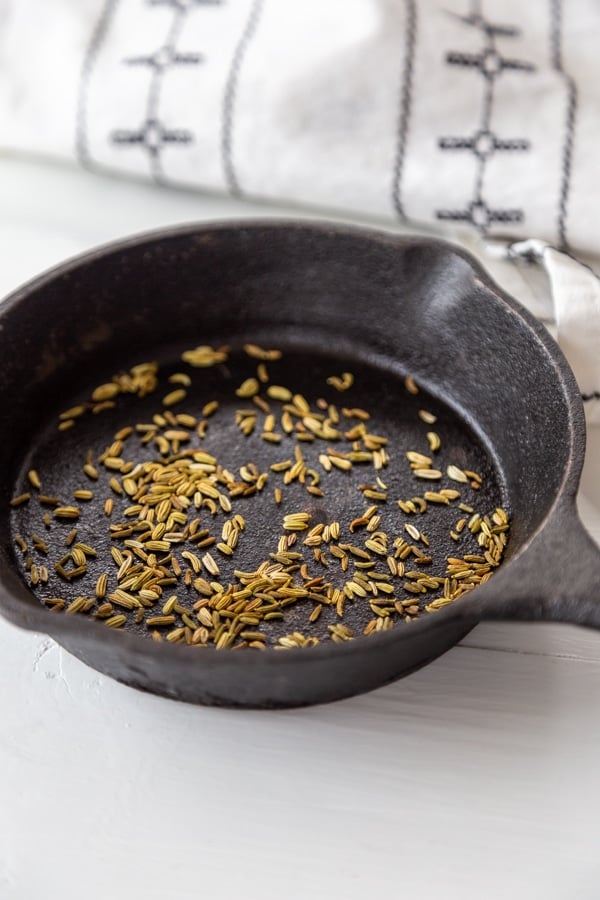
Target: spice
x=257, y=352
x=174, y=526
x=174, y=397
x=248, y=388
x=457, y=474
x=20, y=499
x=66, y=512
x=341, y=383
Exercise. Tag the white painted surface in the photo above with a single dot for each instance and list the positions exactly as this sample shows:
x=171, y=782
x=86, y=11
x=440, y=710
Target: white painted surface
x=475, y=778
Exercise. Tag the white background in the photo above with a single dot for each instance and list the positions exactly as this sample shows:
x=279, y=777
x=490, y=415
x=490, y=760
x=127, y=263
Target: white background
x=477, y=777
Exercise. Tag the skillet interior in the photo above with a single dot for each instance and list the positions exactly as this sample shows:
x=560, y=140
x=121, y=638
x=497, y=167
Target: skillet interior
x=394, y=306
x=394, y=413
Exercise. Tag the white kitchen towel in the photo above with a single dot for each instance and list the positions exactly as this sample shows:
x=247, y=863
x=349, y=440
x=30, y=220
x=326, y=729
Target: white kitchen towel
x=480, y=114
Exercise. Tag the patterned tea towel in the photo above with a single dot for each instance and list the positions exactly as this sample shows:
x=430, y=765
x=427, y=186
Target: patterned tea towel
x=476, y=115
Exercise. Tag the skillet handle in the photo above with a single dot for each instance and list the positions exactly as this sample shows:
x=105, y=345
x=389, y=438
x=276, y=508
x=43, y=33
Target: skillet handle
x=557, y=578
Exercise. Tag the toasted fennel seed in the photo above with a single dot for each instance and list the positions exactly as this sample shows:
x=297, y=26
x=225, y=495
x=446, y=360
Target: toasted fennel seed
x=257, y=352
x=73, y=413
x=427, y=474
x=101, y=586
x=262, y=404
x=174, y=397
x=341, y=383
x=418, y=460
x=34, y=479
x=357, y=523
x=117, y=556
x=282, y=466
x=301, y=404
x=411, y=387
x=20, y=499
x=316, y=613
x=76, y=605
x=96, y=408
x=48, y=501
x=262, y=373
x=374, y=495
x=185, y=420
x=427, y=417
x=344, y=464
x=67, y=512
x=355, y=551
x=114, y=463
x=456, y=474
x=204, y=356
x=115, y=486
x=210, y=564
x=79, y=557
x=450, y=494
x=356, y=413
x=160, y=621
x=277, y=392
x=434, y=441
x=176, y=434
x=296, y=521
x=180, y=378
x=434, y=497
x=106, y=391
x=83, y=495
x=210, y=408
x=248, y=388
x=104, y=610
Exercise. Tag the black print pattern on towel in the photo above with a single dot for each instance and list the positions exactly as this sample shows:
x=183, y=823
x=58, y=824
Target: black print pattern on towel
x=489, y=63
x=556, y=12
x=229, y=98
x=410, y=41
x=98, y=37
x=152, y=134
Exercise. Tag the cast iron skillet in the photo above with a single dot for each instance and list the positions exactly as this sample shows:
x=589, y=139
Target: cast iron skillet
x=331, y=297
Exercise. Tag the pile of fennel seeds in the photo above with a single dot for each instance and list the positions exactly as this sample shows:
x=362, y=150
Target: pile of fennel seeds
x=175, y=519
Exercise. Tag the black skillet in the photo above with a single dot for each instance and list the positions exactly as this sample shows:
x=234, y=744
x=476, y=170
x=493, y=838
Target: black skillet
x=333, y=298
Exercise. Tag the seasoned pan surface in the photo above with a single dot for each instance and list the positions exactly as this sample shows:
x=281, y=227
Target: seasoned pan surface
x=59, y=458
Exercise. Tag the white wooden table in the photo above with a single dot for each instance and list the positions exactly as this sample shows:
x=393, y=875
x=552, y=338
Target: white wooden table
x=478, y=777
